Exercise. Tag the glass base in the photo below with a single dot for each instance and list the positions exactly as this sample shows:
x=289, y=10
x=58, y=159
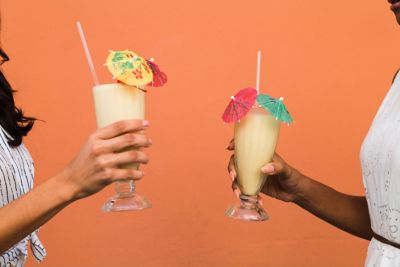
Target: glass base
x=249, y=209
x=126, y=202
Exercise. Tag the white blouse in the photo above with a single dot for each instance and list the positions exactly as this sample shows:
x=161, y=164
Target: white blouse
x=16, y=179
x=380, y=160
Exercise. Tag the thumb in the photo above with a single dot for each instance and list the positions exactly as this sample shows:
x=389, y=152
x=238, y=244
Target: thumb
x=276, y=167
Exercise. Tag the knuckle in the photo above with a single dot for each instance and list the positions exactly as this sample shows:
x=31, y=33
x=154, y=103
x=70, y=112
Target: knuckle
x=136, y=174
x=149, y=141
x=278, y=167
x=134, y=155
x=96, y=149
x=92, y=138
x=130, y=138
x=100, y=162
x=119, y=126
x=106, y=175
x=145, y=159
x=137, y=124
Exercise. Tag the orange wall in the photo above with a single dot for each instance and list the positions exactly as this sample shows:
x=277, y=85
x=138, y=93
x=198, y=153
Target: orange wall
x=332, y=60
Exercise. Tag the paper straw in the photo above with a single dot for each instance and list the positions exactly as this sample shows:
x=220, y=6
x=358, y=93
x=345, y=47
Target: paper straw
x=258, y=72
x=87, y=53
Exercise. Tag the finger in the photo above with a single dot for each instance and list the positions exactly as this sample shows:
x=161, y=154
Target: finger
x=274, y=168
x=130, y=140
x=270, y=187
x=269, y=169
x=121, y=127
x=276, y=190
x=232, y=168
x=235, y=188
x=260, y=200
x=282, y=165
x=121, y=175
x=231, y=145
x=234, y=185
x=123, y=158
x=132, y=156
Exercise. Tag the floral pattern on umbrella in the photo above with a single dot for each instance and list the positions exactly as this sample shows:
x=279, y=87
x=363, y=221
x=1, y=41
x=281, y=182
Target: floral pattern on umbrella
x=129, y=68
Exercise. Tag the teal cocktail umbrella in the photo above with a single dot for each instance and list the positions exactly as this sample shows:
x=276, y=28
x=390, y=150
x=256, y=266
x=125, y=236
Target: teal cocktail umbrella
x=275, y=106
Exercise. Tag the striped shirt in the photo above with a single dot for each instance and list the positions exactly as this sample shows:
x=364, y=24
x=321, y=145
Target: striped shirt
x=16, y=179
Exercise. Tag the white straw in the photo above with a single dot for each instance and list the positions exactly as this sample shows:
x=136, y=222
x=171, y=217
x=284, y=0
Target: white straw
x=87, y=53
x=258, y=72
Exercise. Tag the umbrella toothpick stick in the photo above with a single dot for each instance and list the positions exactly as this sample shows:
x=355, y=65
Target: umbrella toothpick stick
x=258, y=72
x=87, y=53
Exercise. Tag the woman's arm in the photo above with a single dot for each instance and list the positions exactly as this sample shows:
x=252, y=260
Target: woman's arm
x=95, y=167
x=349, y=213
x=26, y=214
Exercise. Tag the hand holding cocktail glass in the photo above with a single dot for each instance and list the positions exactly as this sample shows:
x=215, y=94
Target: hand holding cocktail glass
x=121, y=101
x=257, y=122
x=282, y=182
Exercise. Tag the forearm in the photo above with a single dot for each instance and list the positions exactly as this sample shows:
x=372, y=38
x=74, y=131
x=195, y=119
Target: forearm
x=24, y=215
x=349, y=213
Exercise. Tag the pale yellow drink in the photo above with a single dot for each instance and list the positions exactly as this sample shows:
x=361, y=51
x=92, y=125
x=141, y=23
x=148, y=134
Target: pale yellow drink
x=256, y=136
x=115, y=102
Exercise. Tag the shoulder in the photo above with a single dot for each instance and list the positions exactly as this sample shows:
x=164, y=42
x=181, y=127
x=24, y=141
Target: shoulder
x=395, y=75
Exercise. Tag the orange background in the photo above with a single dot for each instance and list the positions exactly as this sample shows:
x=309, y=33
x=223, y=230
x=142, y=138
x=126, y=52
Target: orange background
x=332, y=60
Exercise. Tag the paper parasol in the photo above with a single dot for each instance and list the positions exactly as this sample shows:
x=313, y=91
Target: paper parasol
x=129, y=68
x=239, y=105
x=159, y=77
x=276, y=107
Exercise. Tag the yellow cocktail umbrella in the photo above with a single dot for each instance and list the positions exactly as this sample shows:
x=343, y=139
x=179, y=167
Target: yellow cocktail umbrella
x=129, y=68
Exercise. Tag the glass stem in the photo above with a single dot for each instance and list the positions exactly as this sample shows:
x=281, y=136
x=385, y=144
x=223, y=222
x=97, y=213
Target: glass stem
x=125, y=188
x=249, y=201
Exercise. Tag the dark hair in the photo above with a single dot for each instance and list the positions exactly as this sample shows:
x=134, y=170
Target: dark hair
x=12, y=119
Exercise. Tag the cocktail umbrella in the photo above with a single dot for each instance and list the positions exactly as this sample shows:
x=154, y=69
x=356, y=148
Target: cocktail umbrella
x=276, y=107
x=129, y=68
x=239, y=105
x=159, y=77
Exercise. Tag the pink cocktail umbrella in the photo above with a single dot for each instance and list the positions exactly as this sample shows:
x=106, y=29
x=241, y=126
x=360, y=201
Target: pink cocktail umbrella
x=159, y=77
x=239, y=105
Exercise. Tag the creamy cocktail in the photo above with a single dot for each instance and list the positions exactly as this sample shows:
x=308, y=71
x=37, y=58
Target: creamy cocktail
x=257, y=120
x=256, y=136
x=121, y=101
x=115, y=102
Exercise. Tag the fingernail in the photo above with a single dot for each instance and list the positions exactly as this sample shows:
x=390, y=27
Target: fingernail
x=268, y=168
x=146, y=123
x=237, y=193
x=232, y=175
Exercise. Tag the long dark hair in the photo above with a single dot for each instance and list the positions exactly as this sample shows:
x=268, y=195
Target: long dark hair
x=12, y=119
